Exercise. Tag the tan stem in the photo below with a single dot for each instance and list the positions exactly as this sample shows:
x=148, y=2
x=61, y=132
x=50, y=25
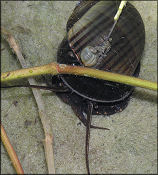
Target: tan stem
x=48, y=142
x=11, y=152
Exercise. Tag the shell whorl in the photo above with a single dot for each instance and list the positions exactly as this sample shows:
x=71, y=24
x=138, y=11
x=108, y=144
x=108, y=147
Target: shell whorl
x=92, y=28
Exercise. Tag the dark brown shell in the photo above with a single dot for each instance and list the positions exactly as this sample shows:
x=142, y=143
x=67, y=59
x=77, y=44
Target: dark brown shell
x=93, y=26
x=89, y=25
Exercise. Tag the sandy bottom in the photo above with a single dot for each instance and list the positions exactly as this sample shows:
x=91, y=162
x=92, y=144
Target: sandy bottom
x=131, y=144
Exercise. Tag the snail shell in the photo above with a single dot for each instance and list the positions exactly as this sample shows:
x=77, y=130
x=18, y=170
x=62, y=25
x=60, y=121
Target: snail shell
x=86, y=39
x=89, y=56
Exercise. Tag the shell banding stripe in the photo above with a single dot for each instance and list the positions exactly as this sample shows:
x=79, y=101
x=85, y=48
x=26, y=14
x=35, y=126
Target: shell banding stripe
x=128, y=50
x=80, y=9
x=123, y=65
x=83, y=28
x=90, y=36
x=116, y=60
x=80, y=36
x=89, y=33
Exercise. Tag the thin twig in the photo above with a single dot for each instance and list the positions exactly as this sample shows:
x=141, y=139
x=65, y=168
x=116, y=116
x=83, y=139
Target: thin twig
x=116, y=17
x=119, y=11
x=11, y=152
x=48, y=142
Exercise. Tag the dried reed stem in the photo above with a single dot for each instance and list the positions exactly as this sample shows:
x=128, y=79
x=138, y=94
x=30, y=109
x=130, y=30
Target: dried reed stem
x=11, y=152
x=48, y=142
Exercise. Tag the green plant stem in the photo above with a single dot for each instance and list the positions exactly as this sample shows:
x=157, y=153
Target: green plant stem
x=11, y=152
x=55, y=69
